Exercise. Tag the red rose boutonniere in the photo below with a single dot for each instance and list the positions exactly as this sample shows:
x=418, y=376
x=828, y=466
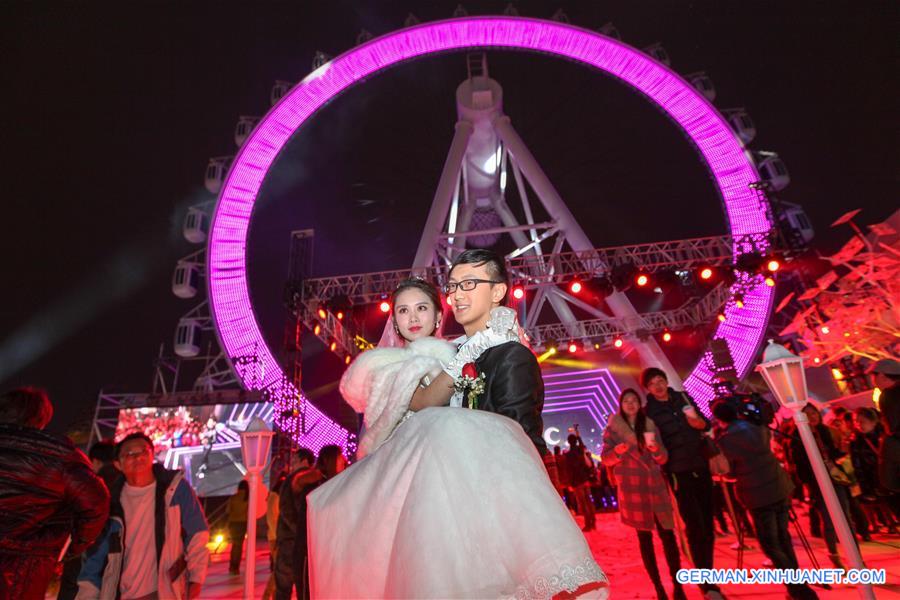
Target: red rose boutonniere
x=471, y=384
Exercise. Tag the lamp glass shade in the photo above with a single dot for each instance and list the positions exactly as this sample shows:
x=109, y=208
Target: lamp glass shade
x=255, y=444
x=785, y=377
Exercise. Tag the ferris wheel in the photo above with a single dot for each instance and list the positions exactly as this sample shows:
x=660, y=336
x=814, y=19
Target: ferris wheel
x=486, y=153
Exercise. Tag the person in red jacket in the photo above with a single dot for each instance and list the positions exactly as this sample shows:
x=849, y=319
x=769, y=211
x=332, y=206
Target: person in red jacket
x=49, y=495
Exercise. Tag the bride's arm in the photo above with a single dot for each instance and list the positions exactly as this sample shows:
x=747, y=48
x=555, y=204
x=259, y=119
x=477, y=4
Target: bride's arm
x=437, y=393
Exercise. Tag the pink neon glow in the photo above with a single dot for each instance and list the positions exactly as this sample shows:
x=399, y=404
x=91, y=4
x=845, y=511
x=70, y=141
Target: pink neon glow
x=594, y=390
x=236, y=323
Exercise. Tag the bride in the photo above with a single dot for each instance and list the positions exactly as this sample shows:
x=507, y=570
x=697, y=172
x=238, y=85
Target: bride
x=446, y=502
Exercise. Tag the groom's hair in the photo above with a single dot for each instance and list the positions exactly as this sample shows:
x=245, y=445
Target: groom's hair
x=496, y=266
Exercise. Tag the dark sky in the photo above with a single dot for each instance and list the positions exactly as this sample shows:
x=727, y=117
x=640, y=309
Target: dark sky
x=111, y=111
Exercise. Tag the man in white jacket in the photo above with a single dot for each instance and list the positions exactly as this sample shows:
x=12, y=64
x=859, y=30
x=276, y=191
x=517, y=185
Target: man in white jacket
x=154, y=545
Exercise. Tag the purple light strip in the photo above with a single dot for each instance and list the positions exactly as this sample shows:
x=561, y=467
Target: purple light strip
x=236, y=323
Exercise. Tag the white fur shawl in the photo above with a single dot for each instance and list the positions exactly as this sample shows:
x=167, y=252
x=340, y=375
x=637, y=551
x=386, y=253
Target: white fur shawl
x=380, y=384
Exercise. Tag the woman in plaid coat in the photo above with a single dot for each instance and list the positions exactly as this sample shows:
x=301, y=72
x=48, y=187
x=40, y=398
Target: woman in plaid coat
x=633, y=451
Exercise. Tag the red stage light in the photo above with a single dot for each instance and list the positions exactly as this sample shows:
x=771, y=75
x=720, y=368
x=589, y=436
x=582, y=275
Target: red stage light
x=333, y=346
x=317, y=329
x=340, y=315
x=322, y=313
x=642, y=280
x=573, y=347
x=770, y=282
x=618, y=342
x=575, y=287
x=385, y=306
x=667, y=337
x=706, y=273
x=773, y=265
x=518, y=293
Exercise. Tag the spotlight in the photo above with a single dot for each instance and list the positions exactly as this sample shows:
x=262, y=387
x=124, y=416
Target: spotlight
x=596, y=345
x=618, y=342
x=721, y=317
x=317, y=329
x=739, y=301
x=817, y=360
x=333, y=346
x=575, y=287
x=573, y=347
x=322, y=313
x=826, y=330
x=706, y=273
x=667, y=337
x=340, y=315
x=773, y=265
x=642, y=280
x=836, y=373
x=219, y=538
x=385, y=306
x=347, y=360
x=770, y=282
x=518, y=292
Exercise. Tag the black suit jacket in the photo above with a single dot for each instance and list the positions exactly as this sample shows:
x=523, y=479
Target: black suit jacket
x=514, y=388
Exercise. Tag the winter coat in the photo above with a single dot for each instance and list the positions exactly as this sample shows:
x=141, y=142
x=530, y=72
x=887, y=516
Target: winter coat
x=684, y=443
x=889, y=451
x=380, y=384
x=864, y=454
x=759, y=478
x=576, y=464
x=642, y=489
x=181, y=536
x=801, y=459
x=47, y=493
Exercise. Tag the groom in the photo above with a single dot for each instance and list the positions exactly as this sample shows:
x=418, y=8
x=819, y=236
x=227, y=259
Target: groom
x=477, y=283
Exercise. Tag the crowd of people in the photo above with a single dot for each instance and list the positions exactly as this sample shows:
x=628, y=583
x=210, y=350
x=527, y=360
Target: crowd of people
x=114, y=524
x=168, y=428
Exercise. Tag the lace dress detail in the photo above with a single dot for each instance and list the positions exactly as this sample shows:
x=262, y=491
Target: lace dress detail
x=569, y=579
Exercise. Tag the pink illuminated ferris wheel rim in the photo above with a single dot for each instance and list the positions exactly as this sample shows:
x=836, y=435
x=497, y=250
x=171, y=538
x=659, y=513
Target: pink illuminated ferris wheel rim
x=732, y=170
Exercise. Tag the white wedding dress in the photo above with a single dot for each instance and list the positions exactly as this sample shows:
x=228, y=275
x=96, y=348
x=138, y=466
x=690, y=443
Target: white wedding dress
x=450, y=503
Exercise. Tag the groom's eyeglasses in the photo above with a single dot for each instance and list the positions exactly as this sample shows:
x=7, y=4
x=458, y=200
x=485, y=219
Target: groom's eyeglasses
x=466, y=285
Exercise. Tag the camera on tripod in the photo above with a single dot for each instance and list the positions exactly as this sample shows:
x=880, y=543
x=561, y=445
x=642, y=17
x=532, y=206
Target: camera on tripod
x=749, y=407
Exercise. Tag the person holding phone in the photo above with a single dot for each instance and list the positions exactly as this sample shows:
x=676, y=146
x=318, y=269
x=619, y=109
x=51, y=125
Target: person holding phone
x=634, y=453
x=681, y=429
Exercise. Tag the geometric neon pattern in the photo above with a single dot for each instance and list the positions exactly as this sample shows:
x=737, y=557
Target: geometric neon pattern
x=572, y=395
x=731, y=169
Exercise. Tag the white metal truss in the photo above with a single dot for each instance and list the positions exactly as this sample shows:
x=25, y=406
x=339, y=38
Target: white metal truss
x=485, y=150
x=544, y=274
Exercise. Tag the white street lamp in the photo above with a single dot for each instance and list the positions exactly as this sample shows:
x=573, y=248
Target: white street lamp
x=256, y=440
x=784, y=374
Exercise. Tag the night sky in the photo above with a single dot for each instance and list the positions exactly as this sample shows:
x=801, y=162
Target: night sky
x=111, y=111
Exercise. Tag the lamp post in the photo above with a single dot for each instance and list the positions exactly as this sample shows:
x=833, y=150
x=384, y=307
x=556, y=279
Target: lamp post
x=784, y=374
x=255, y=443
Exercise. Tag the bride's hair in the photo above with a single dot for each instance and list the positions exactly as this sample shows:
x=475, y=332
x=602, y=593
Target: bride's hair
x=414, y=283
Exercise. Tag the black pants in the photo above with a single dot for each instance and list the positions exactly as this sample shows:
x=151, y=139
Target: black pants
x=237, y=532
x=693, y=492
x=291, y=570
x=771, y=523
x=818, y=501
x=285, y=576
x=585, y=506
x=670, y=549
